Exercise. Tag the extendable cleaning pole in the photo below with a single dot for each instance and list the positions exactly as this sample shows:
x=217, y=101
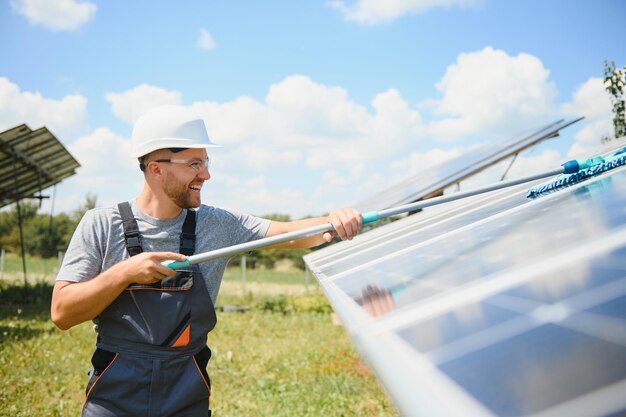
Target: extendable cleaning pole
x=569, y=167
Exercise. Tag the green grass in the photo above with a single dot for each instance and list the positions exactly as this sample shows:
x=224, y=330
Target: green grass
x=276, y=276
x=283, y=357
x=37, y=268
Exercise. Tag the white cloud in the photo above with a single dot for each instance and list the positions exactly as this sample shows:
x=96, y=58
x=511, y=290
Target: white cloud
x=373, y=12
x=301, y=117
x=57, y=14
x=106, y=169
x=312, y=110
x=339, y=131
x=257, y=197
x=225, y=120
x=315, y=132
x=102, y=153
x=63, y=117
x=205, y=40
x=588, y=138
x=131, y=104
x=490, y=92
x=301, y=129
x=260, y=158
x=342, y=186
x=419, y=161
x=592, y=101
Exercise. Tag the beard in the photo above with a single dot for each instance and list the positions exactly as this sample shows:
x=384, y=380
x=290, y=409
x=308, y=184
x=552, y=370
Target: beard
x=179, y=193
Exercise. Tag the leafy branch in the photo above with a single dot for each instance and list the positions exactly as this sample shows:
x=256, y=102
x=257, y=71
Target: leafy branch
x=614, y=83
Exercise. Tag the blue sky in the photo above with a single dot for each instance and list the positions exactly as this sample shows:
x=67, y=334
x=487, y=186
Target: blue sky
x=318, y=103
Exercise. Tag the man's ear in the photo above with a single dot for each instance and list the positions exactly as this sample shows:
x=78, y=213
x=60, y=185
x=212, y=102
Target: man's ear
x=154, y=169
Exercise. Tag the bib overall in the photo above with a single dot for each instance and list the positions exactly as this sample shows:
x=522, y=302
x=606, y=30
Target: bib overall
x=151, y=354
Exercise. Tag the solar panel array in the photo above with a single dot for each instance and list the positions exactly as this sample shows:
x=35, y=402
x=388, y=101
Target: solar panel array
x=434, y=179
x=31, y=161
x=495, y=305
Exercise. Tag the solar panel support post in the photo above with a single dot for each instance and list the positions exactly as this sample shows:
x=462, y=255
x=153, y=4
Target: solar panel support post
x=243, y=276
x=1, y=263
x=506, y=171
x=306, y=278
x=19, y=215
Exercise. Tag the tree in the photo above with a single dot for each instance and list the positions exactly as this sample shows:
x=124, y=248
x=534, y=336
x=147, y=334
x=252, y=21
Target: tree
x=44, y=235
x=9, y=225
x=614, y=83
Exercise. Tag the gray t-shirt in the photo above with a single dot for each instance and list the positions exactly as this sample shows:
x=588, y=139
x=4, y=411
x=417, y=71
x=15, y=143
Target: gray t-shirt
x=98, y=241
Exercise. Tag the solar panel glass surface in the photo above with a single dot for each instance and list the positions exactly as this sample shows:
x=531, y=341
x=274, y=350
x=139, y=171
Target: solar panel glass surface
x=503, y=306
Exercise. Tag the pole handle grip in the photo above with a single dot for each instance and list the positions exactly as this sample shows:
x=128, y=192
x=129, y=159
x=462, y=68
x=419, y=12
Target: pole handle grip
x=369, y=217
x=176, y=264
x=575, y=165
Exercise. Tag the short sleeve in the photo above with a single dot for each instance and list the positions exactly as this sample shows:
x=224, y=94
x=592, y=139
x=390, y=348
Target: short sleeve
x=84, y=256
x=245, y=227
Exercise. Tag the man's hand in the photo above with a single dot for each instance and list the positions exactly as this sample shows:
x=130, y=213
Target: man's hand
x=146, y=267
x=76, y=302
x=347, y=223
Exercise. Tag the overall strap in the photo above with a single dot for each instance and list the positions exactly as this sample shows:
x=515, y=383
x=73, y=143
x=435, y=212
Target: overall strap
x=131, y=229
x=188, y=236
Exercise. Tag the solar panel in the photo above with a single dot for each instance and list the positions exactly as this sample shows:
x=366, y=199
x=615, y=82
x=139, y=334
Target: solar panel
x=31, y=161
x=434, y=179
x=494, y=306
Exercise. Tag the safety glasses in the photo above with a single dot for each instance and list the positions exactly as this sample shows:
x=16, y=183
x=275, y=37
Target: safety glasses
x=196, y=164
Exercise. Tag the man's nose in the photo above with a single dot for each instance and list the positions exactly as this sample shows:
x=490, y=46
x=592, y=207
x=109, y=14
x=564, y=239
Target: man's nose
x=204, y=174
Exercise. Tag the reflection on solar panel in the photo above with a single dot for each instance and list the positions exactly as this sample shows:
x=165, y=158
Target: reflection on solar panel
x=31, y=161
x=495, y=305
x=435, y=179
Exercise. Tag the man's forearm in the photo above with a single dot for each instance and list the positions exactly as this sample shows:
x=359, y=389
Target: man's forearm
x=346, y=223
x=277, y=228
x=77, y=302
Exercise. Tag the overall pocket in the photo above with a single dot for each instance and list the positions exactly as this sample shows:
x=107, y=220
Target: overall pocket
x=101, y=360
x=162, y=309
x=122, y=388
x=201, y=360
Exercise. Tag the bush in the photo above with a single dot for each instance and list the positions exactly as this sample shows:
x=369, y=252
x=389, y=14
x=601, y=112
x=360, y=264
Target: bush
x=294, y=304
x=276, y=304
x=39, y=294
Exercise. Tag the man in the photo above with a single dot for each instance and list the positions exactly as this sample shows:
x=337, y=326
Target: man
x=152, y=321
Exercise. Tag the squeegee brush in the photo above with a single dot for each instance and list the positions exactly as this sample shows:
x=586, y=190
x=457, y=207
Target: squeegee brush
x=601, y=165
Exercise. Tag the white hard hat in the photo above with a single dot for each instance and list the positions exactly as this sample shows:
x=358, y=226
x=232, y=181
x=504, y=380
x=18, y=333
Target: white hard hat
x=168, y=127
